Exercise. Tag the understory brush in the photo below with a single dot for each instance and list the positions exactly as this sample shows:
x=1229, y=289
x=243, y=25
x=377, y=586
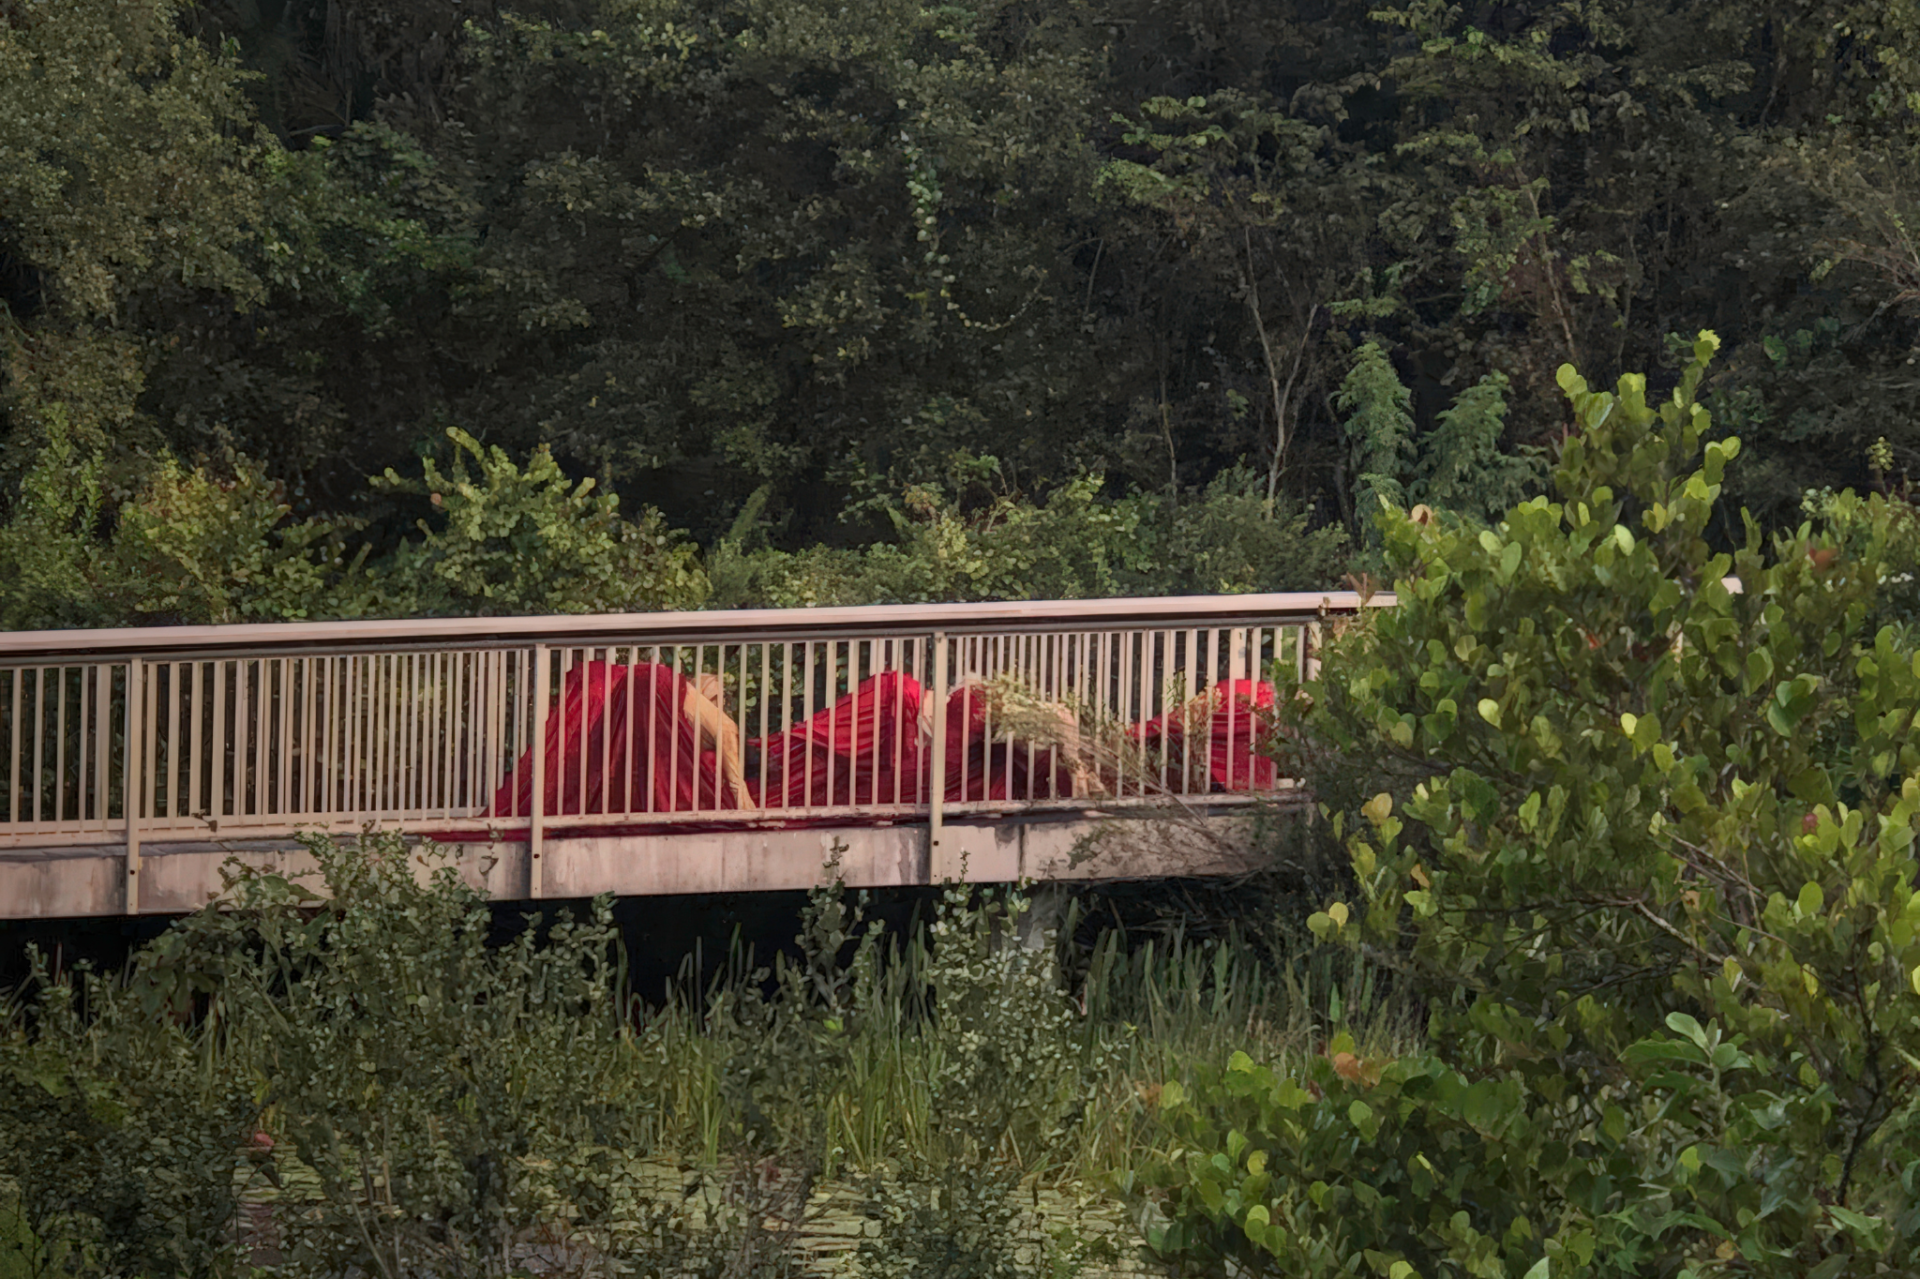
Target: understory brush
x=413, y=1101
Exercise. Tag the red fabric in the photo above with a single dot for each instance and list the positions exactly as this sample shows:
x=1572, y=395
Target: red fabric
x=590, y=727
x=868, y=748
x=1239, y=725
x=864, y=749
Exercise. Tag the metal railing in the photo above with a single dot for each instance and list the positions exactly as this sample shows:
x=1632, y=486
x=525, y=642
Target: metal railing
x=901, y=713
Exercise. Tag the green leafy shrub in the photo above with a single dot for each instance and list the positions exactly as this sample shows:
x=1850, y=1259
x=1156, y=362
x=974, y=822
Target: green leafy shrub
x=47, y=576
x=1458, y=467
x=1647, y=855
x=531, y=541
x=195, y=548
x=1379, y=433
x=218, y=545
x=448, y=1096
x=118, y=1133
x=1008, y=1080
x=1074, y=544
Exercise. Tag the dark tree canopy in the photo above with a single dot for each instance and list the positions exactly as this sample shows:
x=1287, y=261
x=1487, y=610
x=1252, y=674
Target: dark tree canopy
x=795, y=260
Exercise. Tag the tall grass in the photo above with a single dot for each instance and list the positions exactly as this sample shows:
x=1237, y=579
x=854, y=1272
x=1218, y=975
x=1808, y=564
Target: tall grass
x=1145, y=1010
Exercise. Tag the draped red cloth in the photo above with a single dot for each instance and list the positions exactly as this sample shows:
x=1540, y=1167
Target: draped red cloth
x=620, y=742
x=872, y=747
x=587, y=747
x=867, y=748
x=1240, y=723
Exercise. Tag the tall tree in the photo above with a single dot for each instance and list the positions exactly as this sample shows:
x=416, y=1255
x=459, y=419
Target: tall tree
x=126, y=158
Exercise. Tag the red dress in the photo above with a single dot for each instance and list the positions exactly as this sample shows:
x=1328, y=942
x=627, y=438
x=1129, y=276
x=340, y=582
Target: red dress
x=621, y=743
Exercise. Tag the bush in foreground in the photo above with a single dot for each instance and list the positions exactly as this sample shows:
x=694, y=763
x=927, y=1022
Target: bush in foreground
x=1648, y=856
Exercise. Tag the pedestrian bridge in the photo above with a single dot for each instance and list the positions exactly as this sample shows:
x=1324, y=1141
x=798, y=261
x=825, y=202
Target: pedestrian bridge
x=677, y=752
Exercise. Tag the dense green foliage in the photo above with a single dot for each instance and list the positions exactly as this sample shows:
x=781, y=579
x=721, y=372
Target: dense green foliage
x=747, y=258
x=399, y=1093
x=1647, y=854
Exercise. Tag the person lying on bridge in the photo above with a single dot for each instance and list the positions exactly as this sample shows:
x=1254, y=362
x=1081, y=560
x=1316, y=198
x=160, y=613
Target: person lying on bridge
x=636, y=740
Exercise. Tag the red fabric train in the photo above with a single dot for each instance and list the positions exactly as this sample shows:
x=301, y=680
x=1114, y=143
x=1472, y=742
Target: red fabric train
x=621, y=742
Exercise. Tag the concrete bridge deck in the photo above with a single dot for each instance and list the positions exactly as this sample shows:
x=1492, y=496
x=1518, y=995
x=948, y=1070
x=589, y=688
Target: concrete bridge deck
x=79, y=881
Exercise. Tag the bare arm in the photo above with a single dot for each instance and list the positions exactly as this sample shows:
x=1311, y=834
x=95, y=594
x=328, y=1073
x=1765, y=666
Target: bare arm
x=717, y=731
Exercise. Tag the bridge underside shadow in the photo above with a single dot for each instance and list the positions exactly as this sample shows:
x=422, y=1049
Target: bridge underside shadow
x=177, y=878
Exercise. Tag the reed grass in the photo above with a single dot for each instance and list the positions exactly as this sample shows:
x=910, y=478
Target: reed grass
x=1149, y=1009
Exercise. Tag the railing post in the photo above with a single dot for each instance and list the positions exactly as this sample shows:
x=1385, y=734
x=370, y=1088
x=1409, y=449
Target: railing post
x=937, y=767
x=536, y=835
x=133, y=786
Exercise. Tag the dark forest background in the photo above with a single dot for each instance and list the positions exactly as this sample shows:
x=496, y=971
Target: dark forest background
x=335, y=307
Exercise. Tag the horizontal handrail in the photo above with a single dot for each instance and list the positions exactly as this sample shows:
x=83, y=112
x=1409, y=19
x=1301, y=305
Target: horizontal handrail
x=1016, y=617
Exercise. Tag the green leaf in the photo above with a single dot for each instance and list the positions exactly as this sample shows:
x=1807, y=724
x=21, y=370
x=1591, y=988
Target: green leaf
x=1810, y=900
x=1682, y=1023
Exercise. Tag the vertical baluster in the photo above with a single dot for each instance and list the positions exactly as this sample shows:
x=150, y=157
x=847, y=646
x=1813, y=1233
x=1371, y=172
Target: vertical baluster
x=602, y=714
x=573, y=728
x=258, y=730
x=412, y=699
x=394, y=733
x=1006, y=649
x=460, y=791
x=806, y=715
x=18, y=678
x=406, y=717
x=1048, y=657
x=937, y=868
x=501, y=678
x=1236, y=666
x=734, y=709
x=218, y=783
x=656, y=676
x=830, y=673
x=766, y=692
x=134, y=734
x=299, y=763
x=195, y=761
x=507, y=682
x=249, y=730
x=333, y=741
x=435, y=735
x=283, y=741
x=670, y=688
x=1141, y=643
x=151, y=674
x=787, y=722
x=1100, y=645
x=626, y=744
x=896, y=665
x=99, y=723
x=379, y=731
x=542, y=698
x=60, y=748
x=392, y=739
x=357, y=760
x=360, y=757
x=160, y=752
x=39, y=741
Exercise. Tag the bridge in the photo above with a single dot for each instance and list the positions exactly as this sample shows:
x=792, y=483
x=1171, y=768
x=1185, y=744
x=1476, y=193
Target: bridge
x=652, y=753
